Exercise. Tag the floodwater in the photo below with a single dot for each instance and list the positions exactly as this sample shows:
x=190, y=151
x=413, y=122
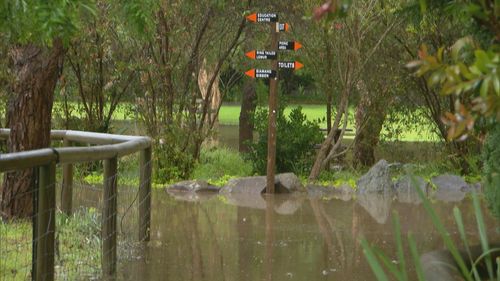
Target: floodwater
x=281, y=237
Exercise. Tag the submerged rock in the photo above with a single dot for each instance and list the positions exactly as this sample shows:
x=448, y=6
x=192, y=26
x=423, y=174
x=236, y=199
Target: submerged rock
x=289, y=181
x=193, y=186
x=284, y=183
x=246, y=185
x=406, y=192
x=449, y=188
x=193, y=190
x=377, y=179
x=343, y=192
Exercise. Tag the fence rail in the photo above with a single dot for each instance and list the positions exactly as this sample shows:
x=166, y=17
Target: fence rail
x=106, y=147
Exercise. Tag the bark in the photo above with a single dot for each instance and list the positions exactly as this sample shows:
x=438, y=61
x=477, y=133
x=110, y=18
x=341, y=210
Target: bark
x=370, y=116
x=36, y=71
x=248, y=106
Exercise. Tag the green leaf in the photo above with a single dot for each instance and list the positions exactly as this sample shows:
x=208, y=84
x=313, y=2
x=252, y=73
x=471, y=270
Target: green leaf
x=399, y=247
x=482, y=232
x=372, y=260
x=416, y=256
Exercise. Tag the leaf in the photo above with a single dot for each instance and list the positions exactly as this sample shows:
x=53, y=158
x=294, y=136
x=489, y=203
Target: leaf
x=460, y=44
x=372, y=260
x=485, y=85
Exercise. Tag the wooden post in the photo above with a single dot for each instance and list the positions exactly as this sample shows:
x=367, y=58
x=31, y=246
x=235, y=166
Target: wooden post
x=67, y=186
x=108, y=235
x=46, y=223
x=273, y=108
x=145, y=195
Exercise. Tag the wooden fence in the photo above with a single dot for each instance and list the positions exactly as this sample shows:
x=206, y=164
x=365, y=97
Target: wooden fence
x=105, y=147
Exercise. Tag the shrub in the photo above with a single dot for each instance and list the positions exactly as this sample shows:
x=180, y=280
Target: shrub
x=491, y=176
x=296, y=137
x=222, y=162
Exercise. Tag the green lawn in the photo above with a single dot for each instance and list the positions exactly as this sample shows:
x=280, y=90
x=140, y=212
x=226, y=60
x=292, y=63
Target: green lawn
x=229, y=115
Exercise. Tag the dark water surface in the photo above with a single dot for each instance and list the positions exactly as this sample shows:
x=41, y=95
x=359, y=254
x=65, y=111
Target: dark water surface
x=280, y=238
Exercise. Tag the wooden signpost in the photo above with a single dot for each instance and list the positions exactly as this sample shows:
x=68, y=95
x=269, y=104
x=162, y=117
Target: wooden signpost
x=272, y=74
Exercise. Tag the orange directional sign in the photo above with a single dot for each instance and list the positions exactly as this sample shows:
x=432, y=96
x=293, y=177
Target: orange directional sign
x=261, y=55
x=295, y=65
x=280, y=27
x=263, y=17
x=289, y=45
x=261, y=73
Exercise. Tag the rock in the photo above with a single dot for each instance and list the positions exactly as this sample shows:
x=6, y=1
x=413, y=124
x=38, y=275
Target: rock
x=318, y=191
x=377, y=179
x=247, y=185
x=406, y=192
x=449, y=188
x=289, y=181
x=344, y=192
x=193, y=186
x=284, y=183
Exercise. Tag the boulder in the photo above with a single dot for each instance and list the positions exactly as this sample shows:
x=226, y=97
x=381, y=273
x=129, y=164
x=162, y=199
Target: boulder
x=284, y=183
x=377, y=179
x=406, y=191
x=449, y=188
x=289, y=181
x=246, y=185
x=193, y=186
x=344, y=192
x=319, y=191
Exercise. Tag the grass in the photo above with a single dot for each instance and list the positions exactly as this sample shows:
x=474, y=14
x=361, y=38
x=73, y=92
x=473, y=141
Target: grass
x=78, y=247
x=468, y=266
x=229, y=115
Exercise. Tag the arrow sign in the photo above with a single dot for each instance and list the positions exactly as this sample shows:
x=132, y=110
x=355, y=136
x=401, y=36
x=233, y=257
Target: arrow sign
x=261, y=55
x=289, y=45
x=295, y=65
x=263, y=17
x=280, y=27
x=261, y=73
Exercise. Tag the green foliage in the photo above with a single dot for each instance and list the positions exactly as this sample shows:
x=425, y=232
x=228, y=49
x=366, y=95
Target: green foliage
x=219, y=164
x=36, y=21
x=491, y=176
x=170, y=162
x=296, y=137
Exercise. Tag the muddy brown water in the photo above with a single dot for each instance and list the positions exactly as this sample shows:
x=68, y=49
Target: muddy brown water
x=280, y=238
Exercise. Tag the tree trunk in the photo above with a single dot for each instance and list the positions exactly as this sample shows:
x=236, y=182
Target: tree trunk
x=36, y=72
x=248, y=106
x=370, y=116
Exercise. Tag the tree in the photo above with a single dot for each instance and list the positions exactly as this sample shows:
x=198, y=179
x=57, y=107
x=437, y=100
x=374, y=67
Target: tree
x=36, y=32
x=355, y=49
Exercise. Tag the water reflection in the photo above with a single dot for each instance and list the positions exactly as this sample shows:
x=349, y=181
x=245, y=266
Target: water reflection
x=280, y=238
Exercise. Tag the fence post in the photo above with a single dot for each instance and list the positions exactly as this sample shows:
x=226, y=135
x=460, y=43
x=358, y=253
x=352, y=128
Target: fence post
x=108, y=235
x=46, y=221
x=145, y=194
x=67, y=186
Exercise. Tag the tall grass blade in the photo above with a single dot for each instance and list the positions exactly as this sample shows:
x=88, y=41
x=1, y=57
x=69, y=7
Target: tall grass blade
x=399, y=248
x=498, y=269
x=443, y=232
x=388, y=264
x=372, y=260
x=416, y=257
x=482, y=233
x=461, y=229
